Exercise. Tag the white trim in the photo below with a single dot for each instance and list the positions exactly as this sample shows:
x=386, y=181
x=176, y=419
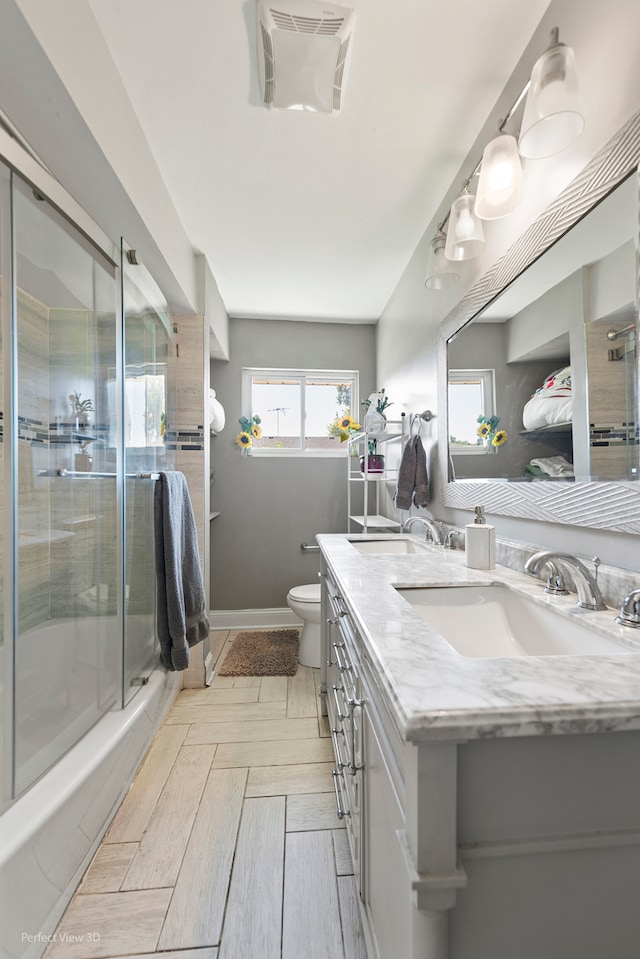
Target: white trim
x=208, y=669
x=550, y=844
x=29, y=169
x=252, y=618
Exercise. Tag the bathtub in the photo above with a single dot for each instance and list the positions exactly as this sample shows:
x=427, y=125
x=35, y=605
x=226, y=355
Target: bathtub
x=48, y=837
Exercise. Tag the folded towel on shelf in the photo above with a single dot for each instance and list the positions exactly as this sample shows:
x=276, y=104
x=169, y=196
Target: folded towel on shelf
x=421, y=492
x=182, y=620
x=534, y=472
x=553, y=465
x=406, y=481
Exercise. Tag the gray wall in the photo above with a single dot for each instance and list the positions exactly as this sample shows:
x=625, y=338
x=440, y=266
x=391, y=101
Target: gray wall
x=268, y=507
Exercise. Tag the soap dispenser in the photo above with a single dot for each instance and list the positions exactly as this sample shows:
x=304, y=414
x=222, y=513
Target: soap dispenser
x=480, y=542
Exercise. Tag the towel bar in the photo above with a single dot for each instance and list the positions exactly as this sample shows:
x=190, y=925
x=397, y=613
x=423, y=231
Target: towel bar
x=88, y=474
x=309, y=549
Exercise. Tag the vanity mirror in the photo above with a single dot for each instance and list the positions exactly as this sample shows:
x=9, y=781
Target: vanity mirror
x=562, y=300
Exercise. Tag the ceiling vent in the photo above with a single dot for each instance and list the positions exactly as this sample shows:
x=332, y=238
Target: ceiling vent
x=303, y=46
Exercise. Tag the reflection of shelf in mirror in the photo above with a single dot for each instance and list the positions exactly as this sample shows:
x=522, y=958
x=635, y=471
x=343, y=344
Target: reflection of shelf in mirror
x=383, y=522
x=213, y=515
x=546, y=430
x=72, y=436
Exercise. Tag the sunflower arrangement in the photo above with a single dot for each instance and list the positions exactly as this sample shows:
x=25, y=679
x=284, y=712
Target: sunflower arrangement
x=344, y=426
x=488, y=431
x=250, y=431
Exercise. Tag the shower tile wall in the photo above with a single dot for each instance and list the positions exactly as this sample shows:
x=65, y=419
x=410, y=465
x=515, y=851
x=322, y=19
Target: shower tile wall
x=61, y=574
x=34, y=500
x=613, y=431
x=188, y=418
x=187, y=434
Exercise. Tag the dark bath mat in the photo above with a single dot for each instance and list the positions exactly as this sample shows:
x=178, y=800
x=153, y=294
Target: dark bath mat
x=262, y=652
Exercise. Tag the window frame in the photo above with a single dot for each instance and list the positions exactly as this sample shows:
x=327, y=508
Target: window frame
x=303, y=376
x=487, y=379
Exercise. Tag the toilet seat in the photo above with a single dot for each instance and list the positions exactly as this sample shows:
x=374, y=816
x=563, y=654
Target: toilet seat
x=306, y=594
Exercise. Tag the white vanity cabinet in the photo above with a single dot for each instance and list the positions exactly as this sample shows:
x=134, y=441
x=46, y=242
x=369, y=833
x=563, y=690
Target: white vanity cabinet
x=368, y=781
x=519, y=838
x=386, y=884
x=345, y=712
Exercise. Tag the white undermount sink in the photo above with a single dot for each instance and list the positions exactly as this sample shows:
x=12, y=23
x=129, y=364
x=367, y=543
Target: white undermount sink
x=394, y=547
x=489, y=622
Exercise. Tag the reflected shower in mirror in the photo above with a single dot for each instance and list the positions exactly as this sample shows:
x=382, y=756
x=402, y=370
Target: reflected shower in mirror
x=542, y=383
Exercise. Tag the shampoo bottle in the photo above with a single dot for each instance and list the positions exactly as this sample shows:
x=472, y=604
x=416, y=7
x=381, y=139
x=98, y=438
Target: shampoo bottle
x=480, y=542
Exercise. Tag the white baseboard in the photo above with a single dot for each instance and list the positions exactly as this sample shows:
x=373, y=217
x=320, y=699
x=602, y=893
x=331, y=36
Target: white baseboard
x=252, y=618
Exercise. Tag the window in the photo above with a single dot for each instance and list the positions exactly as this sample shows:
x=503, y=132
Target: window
x=299, y=409
x=471, y=394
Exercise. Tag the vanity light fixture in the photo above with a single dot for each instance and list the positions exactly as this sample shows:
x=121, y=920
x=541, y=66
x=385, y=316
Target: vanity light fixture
x=553, y=117
x=440, y=271
x=500, y=187
x=552, y=121
x=465, y=235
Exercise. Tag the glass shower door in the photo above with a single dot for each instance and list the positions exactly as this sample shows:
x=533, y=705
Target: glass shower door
x=6, y=622
x=68, y=572
x=147, y=405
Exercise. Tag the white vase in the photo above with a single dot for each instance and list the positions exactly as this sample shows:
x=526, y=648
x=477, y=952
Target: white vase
x=374, y=422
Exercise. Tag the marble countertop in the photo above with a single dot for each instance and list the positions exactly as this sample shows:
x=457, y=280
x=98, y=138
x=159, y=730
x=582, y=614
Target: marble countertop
x=437, y=694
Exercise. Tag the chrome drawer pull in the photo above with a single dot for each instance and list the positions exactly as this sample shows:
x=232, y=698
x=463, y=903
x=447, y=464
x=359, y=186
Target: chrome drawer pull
x=353, y=705
x=337, y=604
x=341, y=664
x=341, y=812
x=341, y=715
x=339, y=760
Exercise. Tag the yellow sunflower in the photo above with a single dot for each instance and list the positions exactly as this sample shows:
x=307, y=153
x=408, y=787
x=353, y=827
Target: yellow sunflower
x=346, y=423
x=499, y=438
x=256, y=432
x=483, y=430
x=243, y=439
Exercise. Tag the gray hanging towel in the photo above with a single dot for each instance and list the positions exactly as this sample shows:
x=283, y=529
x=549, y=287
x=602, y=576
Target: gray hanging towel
x=421, y=493
x=182, y=619
x=406, y=476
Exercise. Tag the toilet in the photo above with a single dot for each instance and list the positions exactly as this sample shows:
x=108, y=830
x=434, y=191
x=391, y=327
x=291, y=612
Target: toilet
x=304, y=601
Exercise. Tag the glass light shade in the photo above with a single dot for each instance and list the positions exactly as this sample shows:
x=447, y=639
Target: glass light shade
x=553, y=117
x=440, y=272
x=465, y=235
x=500, y=187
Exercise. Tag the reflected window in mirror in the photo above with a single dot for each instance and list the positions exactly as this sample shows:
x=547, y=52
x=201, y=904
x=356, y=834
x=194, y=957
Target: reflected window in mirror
x=471, y=399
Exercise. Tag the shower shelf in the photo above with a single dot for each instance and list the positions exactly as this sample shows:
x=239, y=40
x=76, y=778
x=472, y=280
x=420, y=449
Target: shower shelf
x=72, y=436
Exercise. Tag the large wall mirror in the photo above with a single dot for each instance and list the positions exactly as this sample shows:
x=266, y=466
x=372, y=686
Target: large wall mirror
x=541, y=357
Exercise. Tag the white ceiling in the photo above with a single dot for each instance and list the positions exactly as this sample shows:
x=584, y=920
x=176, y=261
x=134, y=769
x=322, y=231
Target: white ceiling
x=306, y=215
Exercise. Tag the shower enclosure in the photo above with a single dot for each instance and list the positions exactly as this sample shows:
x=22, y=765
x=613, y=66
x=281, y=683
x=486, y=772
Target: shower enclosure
x=86, y=344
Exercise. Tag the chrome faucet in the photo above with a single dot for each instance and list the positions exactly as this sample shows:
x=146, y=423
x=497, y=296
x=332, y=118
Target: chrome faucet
x=432, y=528
x=589, y=596
x=450, y=538
x=630, y=610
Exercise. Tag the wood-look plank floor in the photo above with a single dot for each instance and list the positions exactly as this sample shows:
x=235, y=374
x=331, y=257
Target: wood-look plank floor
x=227, y=846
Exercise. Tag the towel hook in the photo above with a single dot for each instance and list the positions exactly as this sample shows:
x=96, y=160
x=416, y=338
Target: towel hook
x=426, y=416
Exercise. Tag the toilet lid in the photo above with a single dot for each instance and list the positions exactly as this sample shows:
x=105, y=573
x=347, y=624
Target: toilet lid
x=306, y=594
